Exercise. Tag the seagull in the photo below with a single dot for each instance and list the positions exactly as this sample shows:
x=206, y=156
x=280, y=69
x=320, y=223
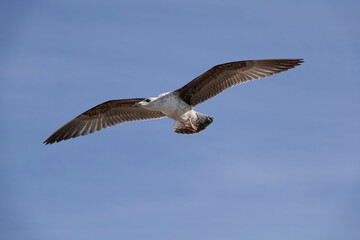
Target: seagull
x=177, y=105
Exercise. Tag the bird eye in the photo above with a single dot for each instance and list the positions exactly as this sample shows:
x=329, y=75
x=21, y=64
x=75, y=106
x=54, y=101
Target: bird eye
x=147, y=100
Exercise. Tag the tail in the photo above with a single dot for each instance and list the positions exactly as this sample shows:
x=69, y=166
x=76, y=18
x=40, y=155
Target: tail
x=201, y=122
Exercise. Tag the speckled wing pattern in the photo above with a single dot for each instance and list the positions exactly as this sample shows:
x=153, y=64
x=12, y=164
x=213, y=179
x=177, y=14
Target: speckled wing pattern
x=227, y=75
x=102, y=116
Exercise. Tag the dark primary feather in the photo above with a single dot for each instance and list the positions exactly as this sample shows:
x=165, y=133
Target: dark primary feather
x=102, y=116
x=227, y=75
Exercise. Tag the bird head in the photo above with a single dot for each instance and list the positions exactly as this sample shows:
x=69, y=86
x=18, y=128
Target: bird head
x=146, y=103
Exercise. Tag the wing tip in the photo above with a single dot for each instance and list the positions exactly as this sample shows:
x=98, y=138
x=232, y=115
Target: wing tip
x=299, y=61
x=48, y=142
x=51, y=140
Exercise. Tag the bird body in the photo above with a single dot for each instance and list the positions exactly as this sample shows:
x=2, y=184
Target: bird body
x=187, y=121
x=168, y=103
x=177, y=105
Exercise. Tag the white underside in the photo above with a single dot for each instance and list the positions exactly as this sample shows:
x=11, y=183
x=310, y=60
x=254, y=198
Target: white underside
x=172, y=106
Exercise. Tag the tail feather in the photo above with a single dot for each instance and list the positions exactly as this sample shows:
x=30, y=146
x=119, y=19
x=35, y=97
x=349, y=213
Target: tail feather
x=201, y=122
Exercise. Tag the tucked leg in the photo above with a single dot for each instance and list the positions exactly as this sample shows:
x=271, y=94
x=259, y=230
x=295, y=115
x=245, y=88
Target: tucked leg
x=189, y=124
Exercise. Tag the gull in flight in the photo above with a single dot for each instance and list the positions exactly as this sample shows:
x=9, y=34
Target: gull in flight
x=177, y=105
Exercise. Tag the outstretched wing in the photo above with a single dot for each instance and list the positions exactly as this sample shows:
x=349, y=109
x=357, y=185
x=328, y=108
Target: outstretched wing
x=102, y=116
x=227, y=75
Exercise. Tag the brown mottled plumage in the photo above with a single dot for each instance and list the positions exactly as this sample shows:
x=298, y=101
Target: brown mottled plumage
x=227, y=75
x=102, y=116
x=178, y=104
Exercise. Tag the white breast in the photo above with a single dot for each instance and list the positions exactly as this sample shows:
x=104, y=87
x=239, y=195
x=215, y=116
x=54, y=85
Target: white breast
x=172, y=106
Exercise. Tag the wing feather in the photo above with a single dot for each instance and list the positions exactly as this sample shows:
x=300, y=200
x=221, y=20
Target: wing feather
x=104, y=115
x=227, y=75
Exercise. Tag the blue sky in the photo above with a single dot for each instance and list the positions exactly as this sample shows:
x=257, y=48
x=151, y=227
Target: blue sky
x=280, y=161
